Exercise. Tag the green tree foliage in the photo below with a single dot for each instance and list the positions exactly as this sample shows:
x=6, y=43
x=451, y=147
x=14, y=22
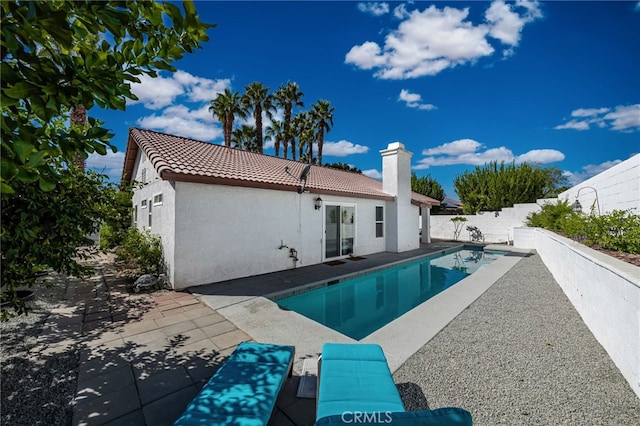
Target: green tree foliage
x=257, y=99
x=287, y=97
x=245, y=138
x=557, y=182
x=45, y=230
x=118, y=222
x=428, y=186
x=495, y=186
x=322, y=115
x=60, y=54
x=226, y=106
x=343, y=166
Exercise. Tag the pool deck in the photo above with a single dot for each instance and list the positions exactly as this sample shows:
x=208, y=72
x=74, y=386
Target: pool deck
x=247, y=302
x=504, y=343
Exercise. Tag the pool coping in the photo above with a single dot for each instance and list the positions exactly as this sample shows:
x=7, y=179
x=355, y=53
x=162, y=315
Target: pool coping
x=275, y=296
x=265, y=321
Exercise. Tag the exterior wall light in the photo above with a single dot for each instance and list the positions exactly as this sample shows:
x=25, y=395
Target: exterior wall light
x=577, y=206
x=318, y=203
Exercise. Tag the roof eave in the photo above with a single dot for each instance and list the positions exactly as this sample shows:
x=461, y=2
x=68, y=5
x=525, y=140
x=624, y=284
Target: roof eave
x=183, y=177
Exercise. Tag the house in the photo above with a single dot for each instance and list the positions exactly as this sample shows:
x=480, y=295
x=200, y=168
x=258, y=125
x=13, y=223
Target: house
x=224, y=213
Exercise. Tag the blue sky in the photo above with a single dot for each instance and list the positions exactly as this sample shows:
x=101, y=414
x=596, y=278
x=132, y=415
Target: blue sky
x=459, y=83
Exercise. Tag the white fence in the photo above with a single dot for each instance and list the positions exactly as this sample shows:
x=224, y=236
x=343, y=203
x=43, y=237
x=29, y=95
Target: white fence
x=605, y=291
x=496, y=227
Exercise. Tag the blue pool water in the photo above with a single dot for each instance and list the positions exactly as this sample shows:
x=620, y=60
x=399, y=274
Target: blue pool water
x=358, y=306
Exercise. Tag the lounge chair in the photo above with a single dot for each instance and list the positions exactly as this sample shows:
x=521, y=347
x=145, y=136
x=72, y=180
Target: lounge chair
x=245, y=388
x=356, y=387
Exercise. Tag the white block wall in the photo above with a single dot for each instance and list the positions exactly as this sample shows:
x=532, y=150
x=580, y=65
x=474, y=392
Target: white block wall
x=497, y=227
x=605, y=291
x=617, y=188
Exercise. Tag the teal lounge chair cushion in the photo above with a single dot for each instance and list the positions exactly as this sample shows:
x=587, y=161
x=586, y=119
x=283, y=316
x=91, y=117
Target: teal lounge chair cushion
x=244, y=390
x=355, y=378
x=450, y=416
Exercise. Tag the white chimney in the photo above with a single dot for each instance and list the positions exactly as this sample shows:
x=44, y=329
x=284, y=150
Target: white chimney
x=401, y=216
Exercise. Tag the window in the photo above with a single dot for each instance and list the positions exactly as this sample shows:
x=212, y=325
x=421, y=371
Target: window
x=143, y=176
x=379, y=221
x=143, y=204
x=134, y=216
x=150, y=205
x=157, y=199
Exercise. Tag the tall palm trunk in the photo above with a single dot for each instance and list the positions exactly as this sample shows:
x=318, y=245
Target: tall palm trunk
x=79, y=118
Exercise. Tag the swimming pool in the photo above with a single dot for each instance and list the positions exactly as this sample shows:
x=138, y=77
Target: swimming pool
x=358, y=306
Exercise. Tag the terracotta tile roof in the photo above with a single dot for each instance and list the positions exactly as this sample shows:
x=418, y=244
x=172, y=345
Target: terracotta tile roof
x=182, y=159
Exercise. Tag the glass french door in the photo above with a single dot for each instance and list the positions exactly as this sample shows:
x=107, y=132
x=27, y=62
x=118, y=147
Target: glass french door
x=340, y=224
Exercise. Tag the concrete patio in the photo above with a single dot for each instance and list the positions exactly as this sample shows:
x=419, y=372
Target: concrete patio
x=144, y=357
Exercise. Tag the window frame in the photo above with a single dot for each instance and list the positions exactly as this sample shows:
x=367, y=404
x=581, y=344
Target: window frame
x=379, y=223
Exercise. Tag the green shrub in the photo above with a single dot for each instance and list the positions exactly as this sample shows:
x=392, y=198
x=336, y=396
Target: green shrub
x=618, y=230
x=107, y=237
x=142, y=250
x=551, y=216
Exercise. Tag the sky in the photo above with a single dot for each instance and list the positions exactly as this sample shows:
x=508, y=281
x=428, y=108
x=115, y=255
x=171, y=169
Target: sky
x=459, y=83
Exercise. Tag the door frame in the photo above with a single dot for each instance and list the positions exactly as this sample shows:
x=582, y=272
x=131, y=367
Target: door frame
x=324, y=229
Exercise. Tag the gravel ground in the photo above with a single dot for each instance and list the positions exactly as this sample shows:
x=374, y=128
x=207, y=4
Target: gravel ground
x=36, y=388
x=520, y=355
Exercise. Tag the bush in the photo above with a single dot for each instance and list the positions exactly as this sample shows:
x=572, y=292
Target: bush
x=142, y=250
x=618, y=230
x=552, y=216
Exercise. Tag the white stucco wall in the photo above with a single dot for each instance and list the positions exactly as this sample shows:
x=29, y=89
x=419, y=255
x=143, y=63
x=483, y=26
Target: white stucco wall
x=497, y=227
x=605, y=291
x=227, y=232
x=163, y=215
x=617, y=188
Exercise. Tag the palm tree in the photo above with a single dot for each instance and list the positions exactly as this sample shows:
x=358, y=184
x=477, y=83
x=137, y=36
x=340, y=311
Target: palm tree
x=225, y=107
x=79, y=119
x=244, y=137
x=305, y=131
x=257, y=98
x=322, y=115
x=276, y=132
x=287, y=97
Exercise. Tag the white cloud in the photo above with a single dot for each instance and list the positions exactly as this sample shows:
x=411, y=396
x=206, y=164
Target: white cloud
x=182, y=121
x=400, y=11
x=540, y=156
x=372, y=173
x=159, y=92
x=429, y=41
x=110, y=164
x=374, y=8
x=199, y=89
x=467, y=151
x=589, y=171
x=588, y=112
x=623, y=118
x=156, y=93
x=574, y=124
x=506, y=23
x=459, y=147
x=342, y=148
x=414, y=100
